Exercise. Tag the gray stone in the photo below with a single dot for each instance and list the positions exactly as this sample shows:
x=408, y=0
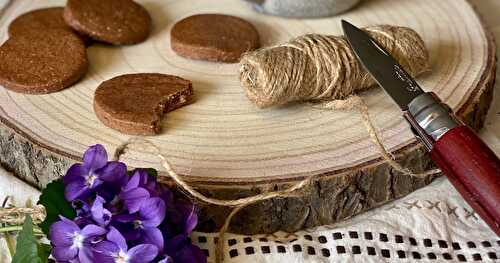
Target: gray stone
x=302, y=8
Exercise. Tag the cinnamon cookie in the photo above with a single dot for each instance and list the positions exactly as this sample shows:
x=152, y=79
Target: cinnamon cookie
x=112, y=21
x=42, y=19
x=213, y=37
x=135, y=103
x=42, y=61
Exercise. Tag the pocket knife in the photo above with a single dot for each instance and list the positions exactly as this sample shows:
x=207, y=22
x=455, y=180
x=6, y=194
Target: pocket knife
x=470, y=165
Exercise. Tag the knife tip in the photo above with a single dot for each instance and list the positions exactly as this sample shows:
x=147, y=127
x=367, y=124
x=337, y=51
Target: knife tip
x=346, y=25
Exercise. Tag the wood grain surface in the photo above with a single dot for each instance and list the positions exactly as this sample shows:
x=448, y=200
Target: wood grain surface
x=228, y=147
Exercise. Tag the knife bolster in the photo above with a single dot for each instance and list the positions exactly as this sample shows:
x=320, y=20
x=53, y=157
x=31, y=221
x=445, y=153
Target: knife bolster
x=430, y=118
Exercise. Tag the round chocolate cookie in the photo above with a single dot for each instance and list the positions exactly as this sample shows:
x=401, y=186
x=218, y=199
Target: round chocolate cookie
x=213, y=37
x=135, y=103
x=42, y=61
x=112, y=21
x=42, y=19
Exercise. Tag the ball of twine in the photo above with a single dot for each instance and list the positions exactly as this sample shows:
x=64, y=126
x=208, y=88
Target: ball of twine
x=323, y=68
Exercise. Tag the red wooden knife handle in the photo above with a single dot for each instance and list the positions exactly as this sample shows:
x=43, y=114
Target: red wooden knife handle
x=474, y=170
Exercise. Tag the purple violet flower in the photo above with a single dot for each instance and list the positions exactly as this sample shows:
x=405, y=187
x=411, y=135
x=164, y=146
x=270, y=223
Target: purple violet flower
x=81, y=179
x=147, y=182
x=101, y=215
x=115, y=250
x=116, y=211
x=70, y=243
x=144, y=224
x=181, y=219
x=132, y=195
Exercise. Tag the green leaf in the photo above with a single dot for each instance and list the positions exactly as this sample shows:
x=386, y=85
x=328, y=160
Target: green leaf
x=44, y=252
x=52, y=198
x=27, y=245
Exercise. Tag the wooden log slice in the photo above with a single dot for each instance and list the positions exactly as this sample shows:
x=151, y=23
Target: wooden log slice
x=227, y=147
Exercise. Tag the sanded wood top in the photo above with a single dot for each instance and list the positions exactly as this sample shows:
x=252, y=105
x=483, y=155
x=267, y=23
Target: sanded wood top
x=222, y=137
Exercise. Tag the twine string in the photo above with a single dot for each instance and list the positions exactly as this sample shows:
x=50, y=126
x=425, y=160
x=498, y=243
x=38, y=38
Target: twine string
x=16, y=215
x=351, y=103
x=236, y=204
x=357, y=103
x=311, y=68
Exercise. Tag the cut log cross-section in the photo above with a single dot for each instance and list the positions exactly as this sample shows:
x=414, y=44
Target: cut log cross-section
x=228, y=148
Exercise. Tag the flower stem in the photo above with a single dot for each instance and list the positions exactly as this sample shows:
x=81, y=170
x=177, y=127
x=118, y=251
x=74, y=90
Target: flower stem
x=9, y=239
x=10, y=229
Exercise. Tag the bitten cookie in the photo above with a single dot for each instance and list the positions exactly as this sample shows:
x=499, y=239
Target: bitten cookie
x=213, y=37
x=135, y=103
x=112, y=21
x=42, y=61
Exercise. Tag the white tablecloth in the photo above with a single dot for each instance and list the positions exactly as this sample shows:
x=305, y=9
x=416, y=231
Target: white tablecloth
x=433, y=224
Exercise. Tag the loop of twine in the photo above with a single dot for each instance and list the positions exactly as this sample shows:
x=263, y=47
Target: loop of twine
x=237, y=204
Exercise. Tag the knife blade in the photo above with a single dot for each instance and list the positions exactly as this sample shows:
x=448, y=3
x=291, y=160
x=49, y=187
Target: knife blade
x=386, y=71
x=470, y=165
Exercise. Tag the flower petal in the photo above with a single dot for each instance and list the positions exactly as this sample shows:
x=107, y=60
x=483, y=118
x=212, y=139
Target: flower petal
x=167, y=196
x=128, y=230
x=64, y=253
x=113, y=172
x=75, y=172
x=100, y=214
x=76, y=189
x=153, y=236
x=191, y=254
x=152, y=212
x=96, y=183
x=93, y=230
x=61, y=232
x=86, y=254
x=142, y=253
x=106, y=247
x=125, y=218
x=132, y=235
x=134, y=198
x=104, y=252
x=191, y=221
x=175, y=244
x=117, y=238
x=82, y=221
x=133, y=182
x=95, y=157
